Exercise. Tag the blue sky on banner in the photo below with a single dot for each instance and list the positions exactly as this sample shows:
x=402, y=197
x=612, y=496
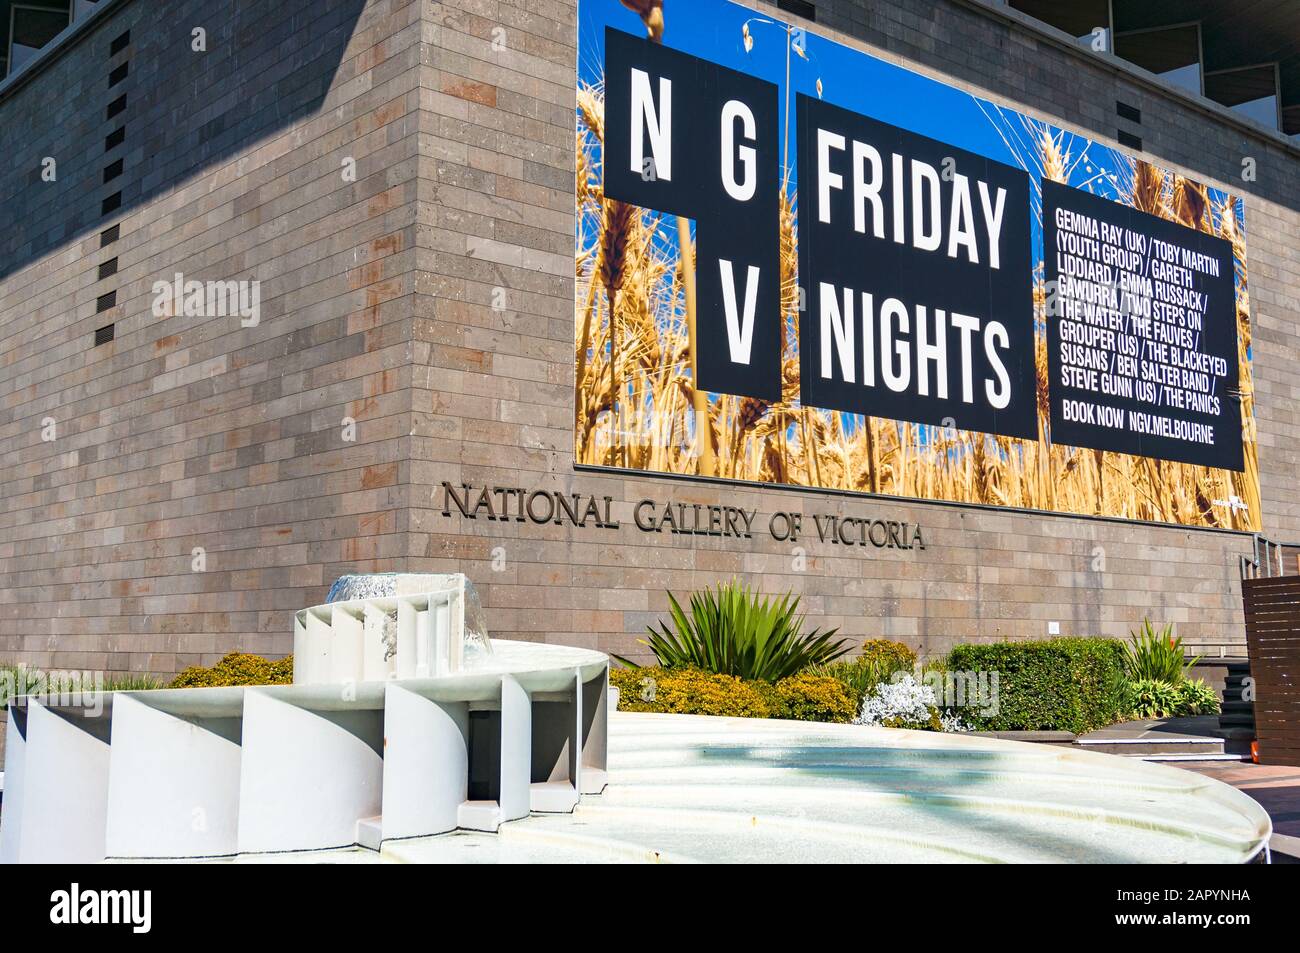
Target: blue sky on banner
x=714, y=30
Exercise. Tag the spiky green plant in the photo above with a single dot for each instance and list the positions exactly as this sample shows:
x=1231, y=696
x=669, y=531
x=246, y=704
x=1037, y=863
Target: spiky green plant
x=1198, y=698
x=135, y=682
x=1156, y=698
x=734, y=631
x=16, y=680
x=1156, y=655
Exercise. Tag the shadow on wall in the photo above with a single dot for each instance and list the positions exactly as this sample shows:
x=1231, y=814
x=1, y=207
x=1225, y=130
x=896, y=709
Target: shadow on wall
x=267, y=64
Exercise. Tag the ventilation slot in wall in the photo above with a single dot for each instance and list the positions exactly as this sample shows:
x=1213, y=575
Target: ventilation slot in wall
x=1125, y=111
x=798, y=7
x=114, y=169
x=1129, y=141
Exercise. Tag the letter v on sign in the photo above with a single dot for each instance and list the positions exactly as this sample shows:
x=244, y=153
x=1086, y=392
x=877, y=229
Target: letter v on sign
x=740, y=329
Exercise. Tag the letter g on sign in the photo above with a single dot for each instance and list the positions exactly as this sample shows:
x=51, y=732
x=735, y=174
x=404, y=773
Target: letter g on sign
x=741, y=191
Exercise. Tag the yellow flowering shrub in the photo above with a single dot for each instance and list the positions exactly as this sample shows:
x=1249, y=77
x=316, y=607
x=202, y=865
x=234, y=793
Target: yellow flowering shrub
x=281, y=671
x=808, y=697
x=691, y=692
x=888, y=656
x=237, y=668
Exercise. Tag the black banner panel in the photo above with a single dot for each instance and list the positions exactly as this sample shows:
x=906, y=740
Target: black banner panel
x=914, y=258
x=1141, y=333
x=691, y=138
x=652, y=110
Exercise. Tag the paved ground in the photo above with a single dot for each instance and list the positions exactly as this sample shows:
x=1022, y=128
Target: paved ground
x=1275, y=787
x=1195, y=727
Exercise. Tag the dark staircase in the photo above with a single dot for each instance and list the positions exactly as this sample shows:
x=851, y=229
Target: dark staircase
x=1237, y=718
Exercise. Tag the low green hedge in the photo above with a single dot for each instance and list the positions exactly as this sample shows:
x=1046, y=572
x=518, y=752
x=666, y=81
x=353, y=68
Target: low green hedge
x=1065, y=684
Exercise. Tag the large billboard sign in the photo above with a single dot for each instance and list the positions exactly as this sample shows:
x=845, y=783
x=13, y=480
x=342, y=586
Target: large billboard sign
x=799, y=264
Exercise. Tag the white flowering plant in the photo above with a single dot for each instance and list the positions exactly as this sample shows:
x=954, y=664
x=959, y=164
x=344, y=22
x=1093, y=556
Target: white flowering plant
x=907, y=703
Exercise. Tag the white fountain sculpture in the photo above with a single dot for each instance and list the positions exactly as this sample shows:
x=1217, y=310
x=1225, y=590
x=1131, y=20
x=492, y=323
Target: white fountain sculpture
x=404, y=720
x=389, y=625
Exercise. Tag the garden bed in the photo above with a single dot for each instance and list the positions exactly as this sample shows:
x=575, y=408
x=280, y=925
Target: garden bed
x=738, y=654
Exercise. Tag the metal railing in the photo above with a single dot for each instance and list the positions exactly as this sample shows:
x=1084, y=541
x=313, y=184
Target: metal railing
x=1267, y=559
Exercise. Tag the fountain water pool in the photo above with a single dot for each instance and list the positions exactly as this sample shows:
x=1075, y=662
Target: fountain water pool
x=686, y=788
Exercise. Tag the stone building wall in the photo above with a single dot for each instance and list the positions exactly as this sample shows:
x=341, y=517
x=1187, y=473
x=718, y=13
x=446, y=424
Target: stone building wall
x=431, y=301
x=190, y=432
